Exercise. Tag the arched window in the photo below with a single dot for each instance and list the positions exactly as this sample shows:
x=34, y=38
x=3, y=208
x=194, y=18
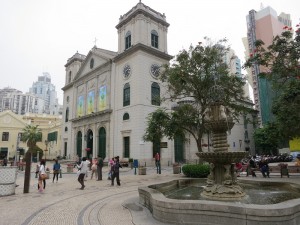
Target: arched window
x=155, y=94
x=66, y=129
x=128, y=40
x=126, y=116
x=67, y=115
x=154, y=39
x=70, y=77
x=78, y=144
x=126, y=94
x=102, y=143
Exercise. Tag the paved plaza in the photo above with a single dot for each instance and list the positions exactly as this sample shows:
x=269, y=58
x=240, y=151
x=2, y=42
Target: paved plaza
x=63, y=203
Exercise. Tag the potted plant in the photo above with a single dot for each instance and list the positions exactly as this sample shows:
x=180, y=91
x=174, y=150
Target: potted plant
x=142, y=170
x=70, y=168
x=176, y=168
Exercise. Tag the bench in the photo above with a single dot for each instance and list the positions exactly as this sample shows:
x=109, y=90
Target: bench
x=276, y=169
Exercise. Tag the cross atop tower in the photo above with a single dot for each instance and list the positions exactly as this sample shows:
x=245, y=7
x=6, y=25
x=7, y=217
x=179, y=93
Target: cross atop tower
x=95, y=41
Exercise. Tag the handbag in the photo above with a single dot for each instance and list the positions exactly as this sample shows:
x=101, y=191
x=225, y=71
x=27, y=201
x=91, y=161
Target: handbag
x=43, y=176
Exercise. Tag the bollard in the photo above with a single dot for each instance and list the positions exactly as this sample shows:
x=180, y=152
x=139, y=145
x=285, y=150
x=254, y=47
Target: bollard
x=60, y=174
x=145, y=164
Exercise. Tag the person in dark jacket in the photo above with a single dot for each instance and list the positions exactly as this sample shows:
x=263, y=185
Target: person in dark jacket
x=115, y=171
x=56, y=170
x=99, y=168
x=252, y=165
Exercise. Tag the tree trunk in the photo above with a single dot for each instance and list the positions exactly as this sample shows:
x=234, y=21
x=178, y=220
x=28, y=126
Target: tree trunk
x=27, y=172
x=199, y=145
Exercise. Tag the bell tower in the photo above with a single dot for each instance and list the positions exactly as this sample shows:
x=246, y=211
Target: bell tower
x=142, y=25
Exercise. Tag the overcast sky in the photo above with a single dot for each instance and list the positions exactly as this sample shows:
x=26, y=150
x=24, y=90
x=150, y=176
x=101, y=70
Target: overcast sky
x=39, y=36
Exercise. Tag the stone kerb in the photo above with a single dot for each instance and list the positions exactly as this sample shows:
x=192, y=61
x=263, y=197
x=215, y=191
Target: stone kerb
x=8, y=176
x=205, y=212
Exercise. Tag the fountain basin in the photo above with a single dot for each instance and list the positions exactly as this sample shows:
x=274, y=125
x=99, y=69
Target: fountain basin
x=204, y=212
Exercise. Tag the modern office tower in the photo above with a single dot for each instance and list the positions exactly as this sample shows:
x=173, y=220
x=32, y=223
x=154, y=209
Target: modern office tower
x=44, y=89
x=262, y=25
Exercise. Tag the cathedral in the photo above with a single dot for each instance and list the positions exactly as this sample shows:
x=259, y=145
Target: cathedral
x=108, y=95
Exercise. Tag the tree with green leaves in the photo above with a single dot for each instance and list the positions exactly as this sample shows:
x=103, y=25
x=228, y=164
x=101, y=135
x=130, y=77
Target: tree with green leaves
x=31, y=134
x=280, y=63
x=267, y=139
x=194, y=79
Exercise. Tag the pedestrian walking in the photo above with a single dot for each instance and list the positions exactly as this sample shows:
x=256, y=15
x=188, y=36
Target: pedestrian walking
x=99, y=168
x=56, y=170
x=83, y=167
x=157, y=162
x=115, y=172
x=110, y=164
x=42, y=176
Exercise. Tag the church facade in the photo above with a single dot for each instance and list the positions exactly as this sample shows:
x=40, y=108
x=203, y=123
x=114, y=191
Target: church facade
x=108, y=95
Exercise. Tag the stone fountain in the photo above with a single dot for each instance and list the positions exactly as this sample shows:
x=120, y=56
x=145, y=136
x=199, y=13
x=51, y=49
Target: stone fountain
x=221, y=182
x=222, y=199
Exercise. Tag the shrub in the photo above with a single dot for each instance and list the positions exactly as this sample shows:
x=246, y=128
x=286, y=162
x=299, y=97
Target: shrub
x=196, y=170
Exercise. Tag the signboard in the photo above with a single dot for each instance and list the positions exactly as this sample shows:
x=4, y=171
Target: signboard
x=164, y=144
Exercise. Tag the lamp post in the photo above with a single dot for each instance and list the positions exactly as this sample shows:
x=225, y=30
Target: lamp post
x=46, y=143
x=17, y=149
x=37, y=156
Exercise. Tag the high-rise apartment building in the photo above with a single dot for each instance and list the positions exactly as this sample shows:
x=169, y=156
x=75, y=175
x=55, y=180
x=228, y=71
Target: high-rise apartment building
x=44, y=89
x=262, y=25
x=19, y=103
x=235, y=68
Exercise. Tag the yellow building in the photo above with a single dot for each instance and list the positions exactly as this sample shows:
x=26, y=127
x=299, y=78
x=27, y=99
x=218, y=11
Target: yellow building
x=11, y=126
x=295, y=144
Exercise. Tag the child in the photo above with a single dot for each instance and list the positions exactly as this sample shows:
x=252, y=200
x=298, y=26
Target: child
x=94, y=169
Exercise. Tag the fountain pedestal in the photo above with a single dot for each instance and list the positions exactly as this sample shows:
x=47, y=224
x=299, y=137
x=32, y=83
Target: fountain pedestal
x=221, y=182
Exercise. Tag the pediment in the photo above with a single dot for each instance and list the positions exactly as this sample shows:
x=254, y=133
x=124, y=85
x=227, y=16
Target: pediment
x=95, y=59
x=11, y=120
